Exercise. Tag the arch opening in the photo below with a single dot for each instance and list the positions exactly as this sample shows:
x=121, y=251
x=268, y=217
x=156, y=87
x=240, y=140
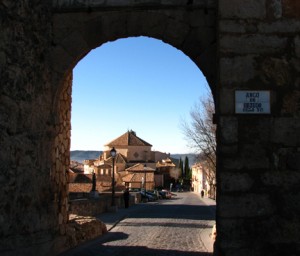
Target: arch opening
x=87, y=32
x=145, y=110
x=147, y=92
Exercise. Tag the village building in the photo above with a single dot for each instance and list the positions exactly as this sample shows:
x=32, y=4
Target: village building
x=136, y=165
x=167, y=173
x=203, y=180
x=139, y=176
x=199, y=178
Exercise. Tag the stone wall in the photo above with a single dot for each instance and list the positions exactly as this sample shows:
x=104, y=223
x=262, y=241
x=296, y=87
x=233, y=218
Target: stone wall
x=258, y=47
x=28, y=199
x=94, y=207
x=190, y=28
x=61, y=154
x=35, y=134
x=258, y=157
x=81, y=229
x=86, y=207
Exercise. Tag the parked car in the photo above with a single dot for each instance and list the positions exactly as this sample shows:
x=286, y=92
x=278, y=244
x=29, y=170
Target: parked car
x=153, y=194
x=162, y=194
x=165, y=194
x=147, y=197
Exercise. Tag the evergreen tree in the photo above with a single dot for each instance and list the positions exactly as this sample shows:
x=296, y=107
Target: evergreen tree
x=181, y=168
x=187, y=170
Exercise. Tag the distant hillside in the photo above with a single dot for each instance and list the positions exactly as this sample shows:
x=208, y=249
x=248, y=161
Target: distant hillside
x=191, y=157
x=80, y=155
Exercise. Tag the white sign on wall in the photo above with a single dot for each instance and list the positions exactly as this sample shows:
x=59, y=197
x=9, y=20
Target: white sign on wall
x=252, y=102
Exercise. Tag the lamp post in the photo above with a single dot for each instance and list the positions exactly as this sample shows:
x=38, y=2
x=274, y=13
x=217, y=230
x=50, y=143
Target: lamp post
x=113, y=153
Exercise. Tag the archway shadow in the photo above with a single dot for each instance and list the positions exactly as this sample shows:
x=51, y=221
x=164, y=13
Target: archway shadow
x=133, y=251
x=99, y=246
x=192, y=212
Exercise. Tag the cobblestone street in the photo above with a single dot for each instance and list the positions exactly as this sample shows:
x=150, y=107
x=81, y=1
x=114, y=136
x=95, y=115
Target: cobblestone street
x=180, y=226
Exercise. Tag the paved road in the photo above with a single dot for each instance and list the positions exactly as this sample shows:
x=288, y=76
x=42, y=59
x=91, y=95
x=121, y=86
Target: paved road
x=177, y=227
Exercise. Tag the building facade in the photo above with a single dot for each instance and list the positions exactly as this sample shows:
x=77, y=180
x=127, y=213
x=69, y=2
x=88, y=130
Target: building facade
x=136, y=165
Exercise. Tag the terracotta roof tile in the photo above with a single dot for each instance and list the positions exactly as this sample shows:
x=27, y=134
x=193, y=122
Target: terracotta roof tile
x=128, y=177
x=137, y=177
x=82, y=178
x=139, y=168
x=165, y=163
x=128, y=139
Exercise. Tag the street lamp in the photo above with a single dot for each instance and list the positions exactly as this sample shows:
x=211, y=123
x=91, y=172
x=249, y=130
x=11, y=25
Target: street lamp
x=113, y=153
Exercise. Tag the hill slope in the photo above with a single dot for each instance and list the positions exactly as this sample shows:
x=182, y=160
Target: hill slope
x=191, y=157
x=80, y=155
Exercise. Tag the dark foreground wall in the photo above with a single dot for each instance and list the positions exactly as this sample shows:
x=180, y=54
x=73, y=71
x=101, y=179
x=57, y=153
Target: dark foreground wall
x=259, y=157
x=32, y=197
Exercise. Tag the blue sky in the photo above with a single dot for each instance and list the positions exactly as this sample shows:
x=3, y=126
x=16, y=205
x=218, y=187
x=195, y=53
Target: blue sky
x=139, y=84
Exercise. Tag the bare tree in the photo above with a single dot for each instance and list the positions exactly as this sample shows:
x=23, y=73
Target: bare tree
x=201, y=134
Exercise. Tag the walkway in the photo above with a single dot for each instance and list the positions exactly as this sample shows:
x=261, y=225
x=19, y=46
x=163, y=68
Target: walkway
x=180, y=226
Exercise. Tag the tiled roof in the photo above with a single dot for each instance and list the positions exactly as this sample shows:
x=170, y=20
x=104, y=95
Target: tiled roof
x=128, y=139
x=82, y=178
x=104, y=166
x=140, y=168
x=165, y=163
x=121, y=158
x=104, y=178
x=137, y=177
x=128, y=177
x=160, y=164
x=76, y=167
x=118, y=159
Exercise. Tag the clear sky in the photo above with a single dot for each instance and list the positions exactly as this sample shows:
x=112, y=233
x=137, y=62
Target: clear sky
x=139, y=84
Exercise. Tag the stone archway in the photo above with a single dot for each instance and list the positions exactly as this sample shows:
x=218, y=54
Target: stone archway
x=258, y=48
x=192, y=31
x=76, y=33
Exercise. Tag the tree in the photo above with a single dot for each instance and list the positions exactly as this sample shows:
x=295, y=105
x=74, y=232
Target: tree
x=181, y=168
x=201, y=135
x=187, y=170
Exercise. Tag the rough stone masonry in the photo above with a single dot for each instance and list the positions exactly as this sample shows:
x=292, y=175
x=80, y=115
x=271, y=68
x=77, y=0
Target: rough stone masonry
x=239, y=45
